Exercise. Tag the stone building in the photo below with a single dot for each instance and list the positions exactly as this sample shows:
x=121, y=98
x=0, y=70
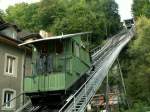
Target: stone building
x=13, y=60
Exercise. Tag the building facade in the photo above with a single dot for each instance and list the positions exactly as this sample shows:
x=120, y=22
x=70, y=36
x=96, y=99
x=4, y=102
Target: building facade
x=12, y=62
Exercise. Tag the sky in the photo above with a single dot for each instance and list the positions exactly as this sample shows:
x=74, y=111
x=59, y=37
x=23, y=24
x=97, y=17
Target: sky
x=124, y=6
x=5, y=3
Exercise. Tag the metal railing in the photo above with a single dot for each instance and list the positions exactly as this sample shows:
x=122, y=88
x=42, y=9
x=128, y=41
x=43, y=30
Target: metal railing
x=93, y=51
x=78, y=101
x=16, y=103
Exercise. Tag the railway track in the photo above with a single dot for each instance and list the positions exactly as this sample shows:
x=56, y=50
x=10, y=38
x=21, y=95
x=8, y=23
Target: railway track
x=102, y=59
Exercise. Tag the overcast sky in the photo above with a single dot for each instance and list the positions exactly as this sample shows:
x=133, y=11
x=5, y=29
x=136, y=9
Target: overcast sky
x=5, y=3
x=124, y=6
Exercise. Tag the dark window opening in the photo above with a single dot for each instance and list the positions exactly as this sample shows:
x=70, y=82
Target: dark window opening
x=8, y=95
x=58, y=47
x=48, y=57
x=72, y=47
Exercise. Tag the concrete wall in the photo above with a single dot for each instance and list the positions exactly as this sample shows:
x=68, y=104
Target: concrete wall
x=12, y=82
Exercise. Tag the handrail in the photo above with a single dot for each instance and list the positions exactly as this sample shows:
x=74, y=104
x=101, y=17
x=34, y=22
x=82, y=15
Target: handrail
x=77, y=91
x=20, y=109
x=23, y=102
x=120, y=33
x=84, y=85
x=12, y=99
x=72, y=97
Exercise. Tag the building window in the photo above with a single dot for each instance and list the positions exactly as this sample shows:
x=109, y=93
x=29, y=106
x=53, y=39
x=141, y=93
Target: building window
x=8, y=102
x=10, y=65
x=8, y=95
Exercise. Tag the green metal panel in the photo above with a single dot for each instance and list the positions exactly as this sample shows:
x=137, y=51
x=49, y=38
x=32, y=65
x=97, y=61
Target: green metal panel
x=84, y=56
x=57, y=81
x=84, y=53
x=47, y=82
x=77, y=39
x=78, y=69
x=67, y=68
x=78, y=65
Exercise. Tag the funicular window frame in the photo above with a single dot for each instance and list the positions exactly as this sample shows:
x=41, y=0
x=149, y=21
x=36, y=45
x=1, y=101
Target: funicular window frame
x=46, y=54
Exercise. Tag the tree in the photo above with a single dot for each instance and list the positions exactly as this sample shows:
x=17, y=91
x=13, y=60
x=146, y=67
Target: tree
x=138, y=63
x=90, y=15
x=141, y=7
x=23, y=15
x=69, y=16
x=135, y=59
x=1, y=14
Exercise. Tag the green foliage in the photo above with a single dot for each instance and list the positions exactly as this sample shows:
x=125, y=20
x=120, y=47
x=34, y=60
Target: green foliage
x=68, y=16
x=138, y=107
x=141, y=7
x=1, y=14
x=49, y=11
x=137, y=63
x=23, y=15
x=93, y=16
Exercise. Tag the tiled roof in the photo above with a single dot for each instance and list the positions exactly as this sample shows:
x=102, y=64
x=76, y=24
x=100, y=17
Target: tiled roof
x=23, y=35
x=4, y=25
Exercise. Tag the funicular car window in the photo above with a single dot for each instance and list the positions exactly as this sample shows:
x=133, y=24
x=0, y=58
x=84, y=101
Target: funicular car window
x=41, y=60
x=59, y=46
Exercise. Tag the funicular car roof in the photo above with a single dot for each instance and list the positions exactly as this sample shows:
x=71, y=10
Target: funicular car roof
x=53, y=38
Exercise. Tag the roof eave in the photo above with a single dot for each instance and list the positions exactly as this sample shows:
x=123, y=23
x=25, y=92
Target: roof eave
x=54, y=38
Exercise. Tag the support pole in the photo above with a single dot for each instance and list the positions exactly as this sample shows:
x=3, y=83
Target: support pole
x=122, y=80
x=107, y=93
